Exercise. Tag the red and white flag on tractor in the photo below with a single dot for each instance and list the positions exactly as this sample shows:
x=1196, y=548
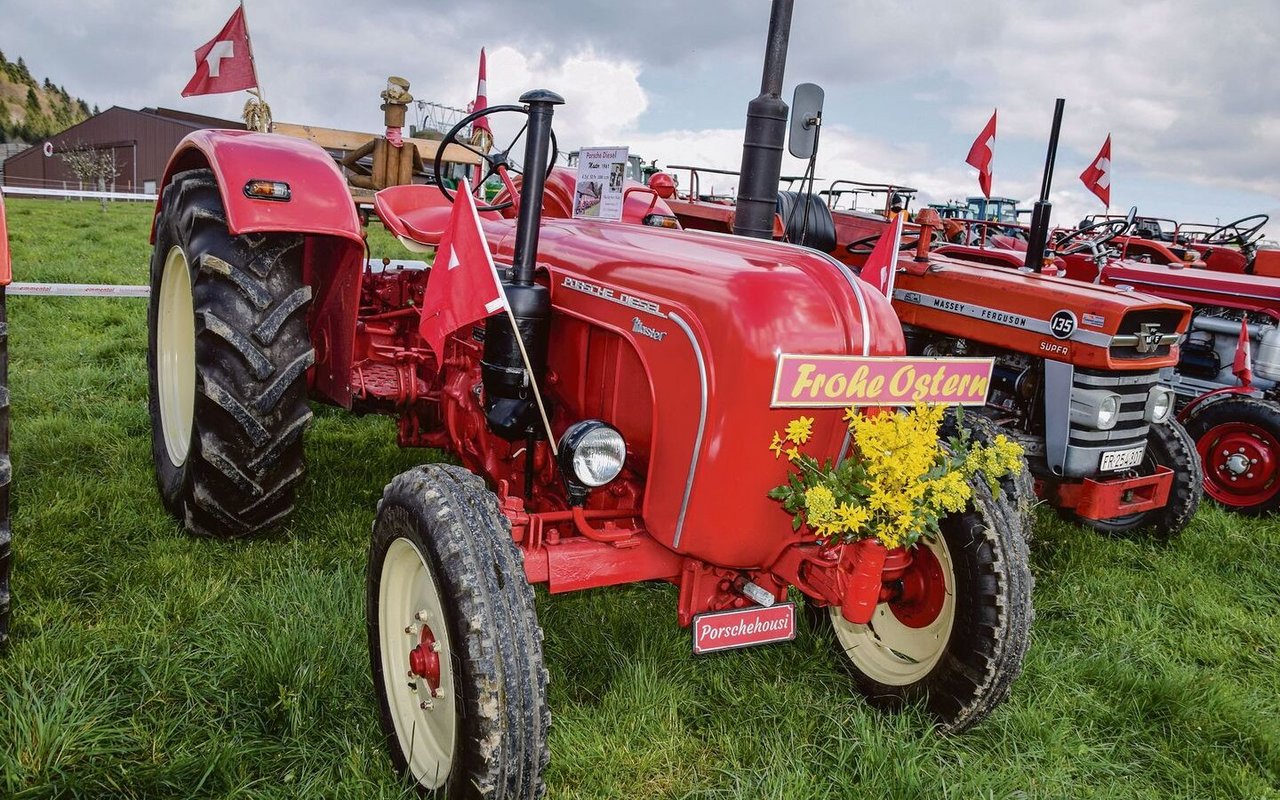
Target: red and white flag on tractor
x=482, y=97
x=982, y=153
x=225, y=62
x=882, y=263
x=481, y=133
x=1097, y=176
x=464, y=285
x=1242, y=367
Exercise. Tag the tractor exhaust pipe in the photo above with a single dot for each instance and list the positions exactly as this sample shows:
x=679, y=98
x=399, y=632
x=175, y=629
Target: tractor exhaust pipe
x=765, y=135
x=1038, y=236
x=541, y=103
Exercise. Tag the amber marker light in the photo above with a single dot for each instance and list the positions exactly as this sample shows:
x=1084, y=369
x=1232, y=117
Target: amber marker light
x=267, y=190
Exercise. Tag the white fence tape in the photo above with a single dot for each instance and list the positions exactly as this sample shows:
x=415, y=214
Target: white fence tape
x=111, y=290
x=24, y=191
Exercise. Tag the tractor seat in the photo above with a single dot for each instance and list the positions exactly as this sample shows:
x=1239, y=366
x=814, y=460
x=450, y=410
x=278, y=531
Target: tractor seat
x=816, y=230
x=417, y=212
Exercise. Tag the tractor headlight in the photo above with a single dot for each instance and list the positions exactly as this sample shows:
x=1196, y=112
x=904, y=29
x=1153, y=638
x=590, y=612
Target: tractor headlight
x=1095, y=408
x=1159, y=404
x=592, y=453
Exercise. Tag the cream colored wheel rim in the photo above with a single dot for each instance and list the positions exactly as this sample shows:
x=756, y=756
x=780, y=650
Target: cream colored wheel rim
x=889, y=652
x=176, y=356
x=408, y=599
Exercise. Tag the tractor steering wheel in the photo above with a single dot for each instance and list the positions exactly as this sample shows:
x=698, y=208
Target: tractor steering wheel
x=499, y=162
x=864, y=246
x=1092, y=237
x=1239, y=233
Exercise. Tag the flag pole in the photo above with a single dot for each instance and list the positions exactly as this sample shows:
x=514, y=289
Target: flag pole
x=256, y=91
x=893, y=257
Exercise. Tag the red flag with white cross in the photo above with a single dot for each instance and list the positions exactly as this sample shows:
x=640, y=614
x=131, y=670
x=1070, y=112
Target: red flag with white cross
x=464, y=285
x=225, y=62
x=1097, y=176
x=982, y=153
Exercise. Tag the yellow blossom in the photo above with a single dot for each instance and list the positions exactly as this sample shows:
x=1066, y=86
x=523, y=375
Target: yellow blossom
x=799, y=430
x=776, y=445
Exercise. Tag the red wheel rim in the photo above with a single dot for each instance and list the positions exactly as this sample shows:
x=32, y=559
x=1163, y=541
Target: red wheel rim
x=1240, y=462
x=924, y=590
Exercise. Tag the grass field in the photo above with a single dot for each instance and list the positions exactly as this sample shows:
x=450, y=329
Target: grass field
x=145, y=663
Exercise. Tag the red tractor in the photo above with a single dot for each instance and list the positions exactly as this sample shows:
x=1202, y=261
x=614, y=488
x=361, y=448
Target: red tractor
x=1076, y=383
x=1233, y=416
x=656, y=351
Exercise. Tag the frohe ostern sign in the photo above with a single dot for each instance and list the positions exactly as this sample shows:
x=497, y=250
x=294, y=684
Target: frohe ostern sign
x=832, y=381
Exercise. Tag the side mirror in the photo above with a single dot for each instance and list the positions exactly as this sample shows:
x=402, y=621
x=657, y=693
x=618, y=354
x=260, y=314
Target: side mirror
x=806, y=117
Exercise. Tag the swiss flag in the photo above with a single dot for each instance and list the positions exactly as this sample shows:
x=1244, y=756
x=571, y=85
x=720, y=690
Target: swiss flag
x=464, y=285
x=981, y=154
x=1242, y=367
x=882, y=263
x=225, y=62
x=1097, y=176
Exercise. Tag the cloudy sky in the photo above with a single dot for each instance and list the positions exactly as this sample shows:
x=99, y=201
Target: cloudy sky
x=1189, y=90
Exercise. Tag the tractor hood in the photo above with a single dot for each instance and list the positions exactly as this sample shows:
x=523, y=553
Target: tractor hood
x=1042, y=315
x=682, y=331
x=1197, y=286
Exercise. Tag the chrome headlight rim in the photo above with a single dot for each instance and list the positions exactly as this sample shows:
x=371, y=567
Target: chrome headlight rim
x=1160, y=405
x=592, y=453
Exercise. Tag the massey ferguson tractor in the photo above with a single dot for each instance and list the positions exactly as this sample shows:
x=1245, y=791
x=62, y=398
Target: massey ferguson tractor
x=1228, y=387
x=655, y=351
x=1078, y=368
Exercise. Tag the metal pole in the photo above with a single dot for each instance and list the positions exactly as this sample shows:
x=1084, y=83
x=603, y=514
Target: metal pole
x=765, y=134
x=1038, y=236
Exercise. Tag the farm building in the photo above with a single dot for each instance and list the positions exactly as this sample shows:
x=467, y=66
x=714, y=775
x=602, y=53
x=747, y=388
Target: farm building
x=141, y=141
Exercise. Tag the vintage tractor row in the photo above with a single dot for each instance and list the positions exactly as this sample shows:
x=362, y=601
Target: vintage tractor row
x=1078, y=368
x=1233, y=415
x=655, y=350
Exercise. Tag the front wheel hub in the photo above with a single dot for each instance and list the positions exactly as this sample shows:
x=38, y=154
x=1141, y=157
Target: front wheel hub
x=1241, y=462
x=424, y=660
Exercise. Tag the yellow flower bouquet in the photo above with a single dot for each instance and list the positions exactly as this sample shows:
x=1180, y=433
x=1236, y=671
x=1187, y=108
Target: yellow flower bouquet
x=897, y=486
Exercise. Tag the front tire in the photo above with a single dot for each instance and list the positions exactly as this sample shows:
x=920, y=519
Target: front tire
x=448, y=608
x=1238, y=440
x=1168, y=445
x=954, y=641
x=228, y=351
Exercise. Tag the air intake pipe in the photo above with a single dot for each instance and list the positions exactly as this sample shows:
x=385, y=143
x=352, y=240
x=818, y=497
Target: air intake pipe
x=765, y=135
x=509, y=403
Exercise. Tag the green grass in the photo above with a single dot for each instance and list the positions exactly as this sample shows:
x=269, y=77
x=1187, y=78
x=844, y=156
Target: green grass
x=145, y=663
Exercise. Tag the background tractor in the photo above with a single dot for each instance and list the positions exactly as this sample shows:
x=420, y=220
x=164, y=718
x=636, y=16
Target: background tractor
x=1234, y=418
x=656, y=350
x=1075, y=383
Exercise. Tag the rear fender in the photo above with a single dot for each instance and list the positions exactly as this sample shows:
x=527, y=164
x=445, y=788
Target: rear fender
x=320, y=208
x=1190, y=408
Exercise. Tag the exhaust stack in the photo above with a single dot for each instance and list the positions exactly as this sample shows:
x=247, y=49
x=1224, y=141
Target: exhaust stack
x=765, y=135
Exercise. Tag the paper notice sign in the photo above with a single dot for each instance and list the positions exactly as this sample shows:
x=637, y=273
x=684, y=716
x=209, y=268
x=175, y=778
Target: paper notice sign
x=601, y=171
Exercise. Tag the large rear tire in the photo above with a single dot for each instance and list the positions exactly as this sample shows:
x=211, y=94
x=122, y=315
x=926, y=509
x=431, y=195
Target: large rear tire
x=954, y=641
x=1238, y=440
x=1168, y=445
x=228, y=351
x=454, y=642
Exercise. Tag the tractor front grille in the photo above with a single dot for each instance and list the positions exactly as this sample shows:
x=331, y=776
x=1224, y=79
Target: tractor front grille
x=1086, y=446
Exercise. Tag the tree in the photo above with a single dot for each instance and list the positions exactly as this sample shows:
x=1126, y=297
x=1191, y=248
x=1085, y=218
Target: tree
x=91, y=164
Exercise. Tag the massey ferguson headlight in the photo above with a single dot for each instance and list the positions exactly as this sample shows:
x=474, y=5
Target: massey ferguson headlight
x=1159, y=404
x=592, y=453
x=1095, y=408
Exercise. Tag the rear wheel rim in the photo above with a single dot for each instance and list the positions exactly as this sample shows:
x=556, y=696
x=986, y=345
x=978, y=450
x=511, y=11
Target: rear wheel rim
x=410, y=613
x=176, y=356
x=1240, y=463
x=890, y=651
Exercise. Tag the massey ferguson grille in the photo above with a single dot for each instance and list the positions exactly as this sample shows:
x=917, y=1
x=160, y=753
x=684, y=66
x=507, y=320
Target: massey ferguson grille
x=1086, y=446
x=1146, y=333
